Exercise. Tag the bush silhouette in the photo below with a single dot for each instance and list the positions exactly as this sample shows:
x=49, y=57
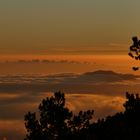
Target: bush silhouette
x=55, y=121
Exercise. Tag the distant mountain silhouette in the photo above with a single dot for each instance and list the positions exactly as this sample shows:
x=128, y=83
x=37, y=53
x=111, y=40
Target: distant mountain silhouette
x=108, y=76
x=101, y=72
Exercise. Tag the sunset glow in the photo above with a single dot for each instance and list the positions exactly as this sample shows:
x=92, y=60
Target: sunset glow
x=78, y=47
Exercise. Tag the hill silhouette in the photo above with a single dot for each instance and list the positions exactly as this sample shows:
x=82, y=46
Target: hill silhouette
x=108, y=76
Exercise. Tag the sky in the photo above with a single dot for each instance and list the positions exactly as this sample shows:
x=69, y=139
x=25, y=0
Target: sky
x=67, y=27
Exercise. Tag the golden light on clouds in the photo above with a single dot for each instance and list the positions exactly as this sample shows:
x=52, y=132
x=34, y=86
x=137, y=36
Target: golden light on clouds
x=100, y=103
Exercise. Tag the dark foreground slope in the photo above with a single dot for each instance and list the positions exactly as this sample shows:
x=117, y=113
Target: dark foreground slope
x=124, y=125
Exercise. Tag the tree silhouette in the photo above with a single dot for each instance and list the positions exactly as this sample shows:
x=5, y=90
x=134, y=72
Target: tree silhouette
x=132, y=104
x=55, y=121
x=135, y=51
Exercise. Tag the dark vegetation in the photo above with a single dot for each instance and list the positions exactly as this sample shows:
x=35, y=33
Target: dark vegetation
x=57, y=122
x=135, y=51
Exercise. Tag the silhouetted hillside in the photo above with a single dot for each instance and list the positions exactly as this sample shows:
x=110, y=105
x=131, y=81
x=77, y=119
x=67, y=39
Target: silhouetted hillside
x=108, y=76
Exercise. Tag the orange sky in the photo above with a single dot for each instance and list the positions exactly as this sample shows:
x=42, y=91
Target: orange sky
x=67, y=27
x=66, y=63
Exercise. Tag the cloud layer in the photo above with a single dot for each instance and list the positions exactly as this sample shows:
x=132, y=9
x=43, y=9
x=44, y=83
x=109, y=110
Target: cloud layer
x=102, y=91
x=90, y=82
